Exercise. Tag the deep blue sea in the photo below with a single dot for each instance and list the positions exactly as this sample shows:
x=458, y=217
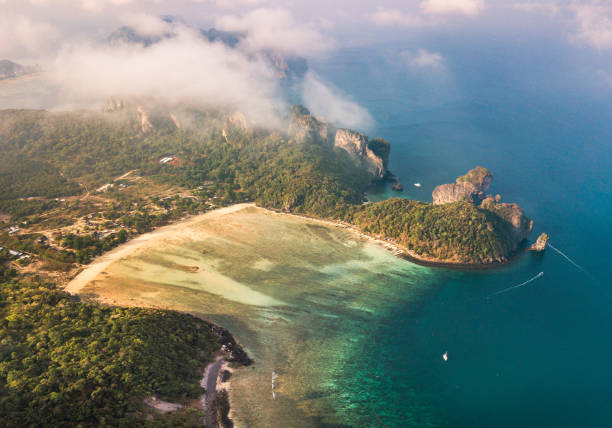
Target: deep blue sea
x=541, y=355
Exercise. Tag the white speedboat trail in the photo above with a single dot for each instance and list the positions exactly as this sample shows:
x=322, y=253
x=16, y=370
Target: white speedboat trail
x=505, y=290
x=562, y=254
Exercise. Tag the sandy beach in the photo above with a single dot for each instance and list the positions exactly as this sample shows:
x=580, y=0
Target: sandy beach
x=102, y=262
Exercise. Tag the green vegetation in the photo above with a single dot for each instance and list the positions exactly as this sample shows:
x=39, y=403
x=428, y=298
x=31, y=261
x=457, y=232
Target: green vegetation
x=267, y=169
x=89, y=246
x=66, y=363
x=459, y=232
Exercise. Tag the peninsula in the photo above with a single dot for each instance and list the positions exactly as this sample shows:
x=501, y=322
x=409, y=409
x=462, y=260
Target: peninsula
x=75, y=185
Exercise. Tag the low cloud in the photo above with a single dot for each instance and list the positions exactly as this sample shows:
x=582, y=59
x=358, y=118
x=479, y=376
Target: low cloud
x=277, y=30
x=545, y=7
x=384, y=17
x=462, y=7
x=324, y=100
x=20, y=36
x=146, y=25
x=426, y=60
x=98, y=5
x=593, y=24
x=183, y=68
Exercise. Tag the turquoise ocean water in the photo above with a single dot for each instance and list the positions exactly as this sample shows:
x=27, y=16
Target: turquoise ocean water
x=539, y=355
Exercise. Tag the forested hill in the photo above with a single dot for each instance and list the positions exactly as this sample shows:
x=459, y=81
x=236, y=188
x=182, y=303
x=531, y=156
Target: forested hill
x=46, y=154
x=220, y=157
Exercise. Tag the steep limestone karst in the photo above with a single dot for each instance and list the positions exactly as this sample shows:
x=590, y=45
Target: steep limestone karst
x=145, y=123
x=541, y=243
x=469, y=187
x=305, y=128
x=235, y=129
x=372, y=154
x=513, y=214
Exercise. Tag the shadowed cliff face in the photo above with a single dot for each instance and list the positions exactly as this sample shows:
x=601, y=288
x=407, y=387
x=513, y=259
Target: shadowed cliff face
x=471, y=187
x=513, y=214
x=372, y=154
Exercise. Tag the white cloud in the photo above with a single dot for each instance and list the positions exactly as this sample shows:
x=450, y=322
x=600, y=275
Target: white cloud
x=425, y=59
x=463, y=7
x=326, y=101
x=384, y=17
x=594, y=24
x=277, y=30
x=543, y=7
x=184, y=68
x=145, y=25
x=232, y=4
x=98, y=5
x=21, y=35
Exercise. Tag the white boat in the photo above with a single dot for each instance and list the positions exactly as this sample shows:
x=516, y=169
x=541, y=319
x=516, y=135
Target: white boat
x=445, y=356
x=417, y=184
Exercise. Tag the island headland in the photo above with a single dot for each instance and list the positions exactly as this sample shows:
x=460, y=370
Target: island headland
x=138, y=164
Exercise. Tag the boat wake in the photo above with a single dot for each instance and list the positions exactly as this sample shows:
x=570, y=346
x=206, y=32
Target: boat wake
x=562, y=254
x=505, y=290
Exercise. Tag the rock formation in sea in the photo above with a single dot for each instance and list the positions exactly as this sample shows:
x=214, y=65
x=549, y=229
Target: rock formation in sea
x=469, y=187
x=541, y=243
x=373, y=154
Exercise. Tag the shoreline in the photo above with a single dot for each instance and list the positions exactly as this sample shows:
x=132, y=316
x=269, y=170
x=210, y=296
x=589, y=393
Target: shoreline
x=97, y=266
x=215, y=401
x=402, y=252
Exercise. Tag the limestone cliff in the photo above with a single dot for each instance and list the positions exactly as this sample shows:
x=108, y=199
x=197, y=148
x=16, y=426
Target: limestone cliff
x=469, y=187
x=541, y=243
x=113, y=104
x=372, y=154
x=513, y=214
x=235, y=129
x=145, y=123
x=305, y=128
x=176, y=121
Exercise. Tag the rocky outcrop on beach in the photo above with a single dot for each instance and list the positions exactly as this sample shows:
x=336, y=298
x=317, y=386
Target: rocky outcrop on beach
x=541, y=243
x=372, y=154
x=469, y=187
x=513, y=214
